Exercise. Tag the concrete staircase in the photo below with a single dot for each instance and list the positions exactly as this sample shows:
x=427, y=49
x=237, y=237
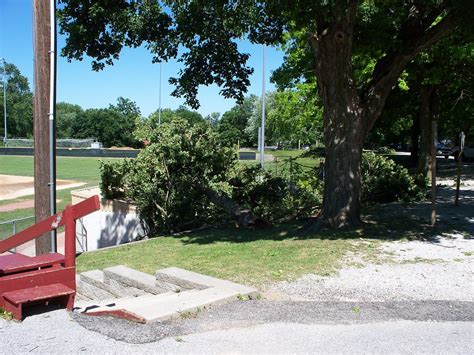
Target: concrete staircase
x=173, y=292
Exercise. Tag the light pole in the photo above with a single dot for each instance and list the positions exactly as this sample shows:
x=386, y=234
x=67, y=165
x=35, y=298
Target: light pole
x=52, y=119
x=4, y=101
x=262, y=134
x=159, y=101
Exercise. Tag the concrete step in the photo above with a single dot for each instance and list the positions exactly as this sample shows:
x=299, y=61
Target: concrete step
x=189, y=279
x=133, y=278
x=163, y=306
x=97, y=279
x=80, y=298
x=115, y=306
x=179, y=304
x=90, y=291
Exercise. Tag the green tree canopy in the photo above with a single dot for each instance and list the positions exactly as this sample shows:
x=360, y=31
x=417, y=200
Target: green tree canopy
x=19, y=103
x=233, y=126
x=113, y=126
x=356, y=49
x=66, y=115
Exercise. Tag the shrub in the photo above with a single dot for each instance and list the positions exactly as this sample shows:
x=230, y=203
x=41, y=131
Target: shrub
x=257, y=190
x=272, y=196
x=385, y=181
x=112, y=178
x=385, y=150
x=169, y=178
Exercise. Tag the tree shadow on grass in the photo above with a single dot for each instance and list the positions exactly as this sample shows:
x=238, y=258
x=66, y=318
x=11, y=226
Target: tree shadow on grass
x=386, y=222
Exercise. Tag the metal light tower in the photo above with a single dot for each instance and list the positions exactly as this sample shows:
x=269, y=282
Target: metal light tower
x=262, y=135
x=4, y=101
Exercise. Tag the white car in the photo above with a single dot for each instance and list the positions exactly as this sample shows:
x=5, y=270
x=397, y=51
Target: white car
x=467, y=154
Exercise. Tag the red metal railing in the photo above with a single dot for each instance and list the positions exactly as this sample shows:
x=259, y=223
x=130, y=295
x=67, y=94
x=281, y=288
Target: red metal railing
x=66, y=218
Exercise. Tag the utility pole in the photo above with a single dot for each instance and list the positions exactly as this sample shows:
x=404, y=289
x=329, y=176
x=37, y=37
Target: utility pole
x=42, y=46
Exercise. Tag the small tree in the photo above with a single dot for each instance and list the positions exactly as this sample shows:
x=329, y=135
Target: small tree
x=175, y=178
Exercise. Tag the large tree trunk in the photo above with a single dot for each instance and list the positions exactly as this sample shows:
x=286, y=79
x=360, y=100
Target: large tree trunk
x=344, y=123
x=429, y=112
x=342, y=179
x=349, y=111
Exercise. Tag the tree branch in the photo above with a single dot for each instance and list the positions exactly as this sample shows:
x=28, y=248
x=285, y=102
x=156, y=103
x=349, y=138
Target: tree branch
x=389, y=68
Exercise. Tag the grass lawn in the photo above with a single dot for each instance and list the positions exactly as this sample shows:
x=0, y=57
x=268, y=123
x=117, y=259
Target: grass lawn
x=253, y=257
x=282, y=160
x=68, y=168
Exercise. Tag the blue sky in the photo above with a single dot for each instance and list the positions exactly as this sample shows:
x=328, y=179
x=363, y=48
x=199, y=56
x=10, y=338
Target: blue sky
x=133, y=76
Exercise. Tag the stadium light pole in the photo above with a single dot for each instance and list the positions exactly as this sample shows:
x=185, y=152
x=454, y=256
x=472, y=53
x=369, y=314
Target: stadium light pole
x=262, y=135
x=4, y=101
x=159, y=101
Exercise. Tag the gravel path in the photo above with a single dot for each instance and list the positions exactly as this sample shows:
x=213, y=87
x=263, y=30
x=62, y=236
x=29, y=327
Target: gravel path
x=441, y=267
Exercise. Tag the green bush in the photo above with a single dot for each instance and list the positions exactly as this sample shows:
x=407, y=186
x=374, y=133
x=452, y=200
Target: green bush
x=184, y=167
x=184, y=179
x=112, y=178
x=385, y=181
x=385, y=150
x=257, y=190
x=169, y=178
x=272, y=196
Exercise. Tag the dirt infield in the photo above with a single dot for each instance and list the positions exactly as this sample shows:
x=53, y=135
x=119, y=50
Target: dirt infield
x=12, y=186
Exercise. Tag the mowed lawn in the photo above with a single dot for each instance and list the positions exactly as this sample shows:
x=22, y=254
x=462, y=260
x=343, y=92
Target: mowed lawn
x=84, y=170
x=254, y=257
x=67, y=168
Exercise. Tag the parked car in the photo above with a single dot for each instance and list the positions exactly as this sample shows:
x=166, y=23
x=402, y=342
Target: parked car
x=443, y=149
x=467, y=154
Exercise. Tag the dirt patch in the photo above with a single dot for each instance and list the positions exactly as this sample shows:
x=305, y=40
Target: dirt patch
x=12, y=186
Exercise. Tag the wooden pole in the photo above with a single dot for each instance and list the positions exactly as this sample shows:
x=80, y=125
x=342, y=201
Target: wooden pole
x=42, y=42
x=434, y=128
x=459, y=168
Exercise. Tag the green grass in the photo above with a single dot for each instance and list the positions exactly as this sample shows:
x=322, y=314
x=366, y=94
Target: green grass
x=63, y=197
x=68, y=168
x=282, y=158
x=254, y=257
x=5, y=315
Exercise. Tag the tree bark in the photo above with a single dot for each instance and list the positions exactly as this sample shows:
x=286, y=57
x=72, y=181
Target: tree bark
x=415, y=141
x=425, y=117
x=350, y=112
x=344, y=130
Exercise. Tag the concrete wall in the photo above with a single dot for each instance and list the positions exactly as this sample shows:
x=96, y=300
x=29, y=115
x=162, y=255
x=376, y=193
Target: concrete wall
x=115, y=223
x=99, y=153
x=77, y=152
